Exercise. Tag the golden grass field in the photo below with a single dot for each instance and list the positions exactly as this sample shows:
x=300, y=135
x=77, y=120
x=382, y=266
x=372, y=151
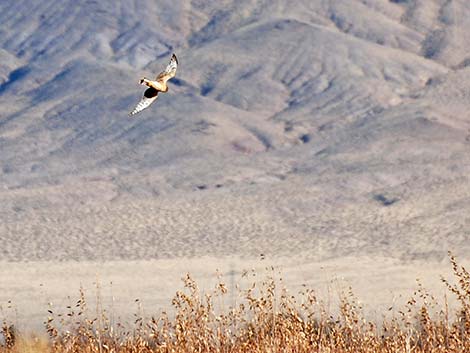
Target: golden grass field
x=267, y=318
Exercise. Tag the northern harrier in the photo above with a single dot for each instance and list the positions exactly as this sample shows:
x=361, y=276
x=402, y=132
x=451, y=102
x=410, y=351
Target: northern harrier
x=159, y=85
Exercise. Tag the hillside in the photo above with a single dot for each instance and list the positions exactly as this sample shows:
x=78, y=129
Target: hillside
x=313, y=132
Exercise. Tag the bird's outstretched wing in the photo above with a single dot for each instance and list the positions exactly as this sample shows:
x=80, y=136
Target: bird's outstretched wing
x=170, y=70
x=150, y=96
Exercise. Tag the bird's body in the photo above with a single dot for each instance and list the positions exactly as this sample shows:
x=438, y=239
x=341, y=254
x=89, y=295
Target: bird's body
x=156, y=86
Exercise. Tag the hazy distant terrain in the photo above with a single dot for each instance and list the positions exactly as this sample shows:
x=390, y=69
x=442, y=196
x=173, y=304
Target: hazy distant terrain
x=312, y=130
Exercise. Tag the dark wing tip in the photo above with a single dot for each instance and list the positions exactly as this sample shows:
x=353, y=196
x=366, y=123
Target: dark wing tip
x=174, y=57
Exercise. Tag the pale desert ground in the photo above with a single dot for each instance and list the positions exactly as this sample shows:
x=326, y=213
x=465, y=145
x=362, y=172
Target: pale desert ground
x=329, y=139
x=145, y=288
x=142, y=250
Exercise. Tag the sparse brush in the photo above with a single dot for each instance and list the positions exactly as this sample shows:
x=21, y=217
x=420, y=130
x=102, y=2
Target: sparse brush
x=266, y=318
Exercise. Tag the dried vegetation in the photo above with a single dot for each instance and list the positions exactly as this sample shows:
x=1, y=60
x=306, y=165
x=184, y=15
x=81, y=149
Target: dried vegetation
x=266, y=318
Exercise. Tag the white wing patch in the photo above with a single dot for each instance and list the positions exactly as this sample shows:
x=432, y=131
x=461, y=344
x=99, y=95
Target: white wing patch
x=170, y=70
x=150, y=96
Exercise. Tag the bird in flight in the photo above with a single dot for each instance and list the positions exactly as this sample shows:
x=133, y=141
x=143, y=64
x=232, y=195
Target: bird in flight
x=159, y=85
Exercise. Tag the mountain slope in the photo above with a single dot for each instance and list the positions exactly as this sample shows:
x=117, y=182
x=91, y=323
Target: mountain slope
x=288, y=129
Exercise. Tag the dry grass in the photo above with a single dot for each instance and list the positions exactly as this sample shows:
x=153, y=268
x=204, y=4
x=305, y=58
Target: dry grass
x=267, y=319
